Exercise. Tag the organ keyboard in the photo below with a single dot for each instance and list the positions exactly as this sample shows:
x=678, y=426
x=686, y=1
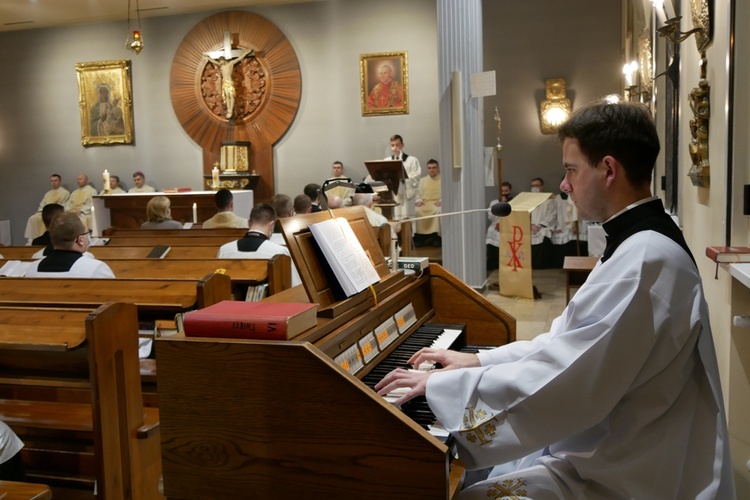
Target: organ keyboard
x=274, y=419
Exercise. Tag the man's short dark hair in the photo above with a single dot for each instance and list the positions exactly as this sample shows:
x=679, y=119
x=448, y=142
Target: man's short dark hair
x=396, y=137
x=49, y=211
x=223, y=198
x=337, y=163
x=64, y=229
x=507, y=184
x=115, y=177
x=302, y=203
x=56, y=175
x=541, y=181
x=312, y=190
x=262, y=214
x=623, y=130
x=431, y=160
x=282, y=204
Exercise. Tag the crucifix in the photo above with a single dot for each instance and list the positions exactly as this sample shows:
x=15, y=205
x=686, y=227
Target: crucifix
x=226, y=59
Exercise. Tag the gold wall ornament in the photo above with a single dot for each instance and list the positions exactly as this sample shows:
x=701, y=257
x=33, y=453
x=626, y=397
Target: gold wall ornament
x=699, y=98
x=700, y=104
x=105, y=103
x=555, y=109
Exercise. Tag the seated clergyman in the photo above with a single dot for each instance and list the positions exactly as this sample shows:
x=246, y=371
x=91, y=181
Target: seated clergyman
x=68, y=259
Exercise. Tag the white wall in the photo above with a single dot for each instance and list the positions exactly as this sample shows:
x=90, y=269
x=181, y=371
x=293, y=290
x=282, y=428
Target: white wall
x=40, y=122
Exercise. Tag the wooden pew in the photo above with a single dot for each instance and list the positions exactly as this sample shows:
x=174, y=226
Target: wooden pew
x=173, y=241
x=275, y=271
x=196, y=230
x=13, y=490
x=49, y=357
x=198, y=251
x=149, y=295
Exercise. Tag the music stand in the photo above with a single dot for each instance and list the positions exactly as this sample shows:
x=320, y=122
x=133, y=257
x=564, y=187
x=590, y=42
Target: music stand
x=390, y=172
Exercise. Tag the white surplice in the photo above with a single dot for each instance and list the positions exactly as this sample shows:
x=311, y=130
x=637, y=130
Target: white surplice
x=621, y=398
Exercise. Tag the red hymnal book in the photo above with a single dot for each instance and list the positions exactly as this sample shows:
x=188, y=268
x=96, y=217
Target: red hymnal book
x=251, y=320
x=724, y=255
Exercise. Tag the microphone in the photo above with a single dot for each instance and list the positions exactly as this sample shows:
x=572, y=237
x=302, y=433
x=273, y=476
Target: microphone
x=502, y=209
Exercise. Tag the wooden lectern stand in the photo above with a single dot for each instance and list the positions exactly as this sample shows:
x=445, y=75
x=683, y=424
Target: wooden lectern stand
x=390, y=172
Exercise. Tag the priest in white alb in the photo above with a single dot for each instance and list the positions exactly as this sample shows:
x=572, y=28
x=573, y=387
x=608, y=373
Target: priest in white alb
x=428, y=202
x=82, y=199
x=622, y=398
x=59, y=195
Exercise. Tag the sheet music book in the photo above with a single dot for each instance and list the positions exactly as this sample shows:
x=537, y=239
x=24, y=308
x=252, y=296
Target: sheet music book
x=344, y=253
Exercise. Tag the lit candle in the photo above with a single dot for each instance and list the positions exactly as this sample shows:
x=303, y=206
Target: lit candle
x=659, y=9
x=94, y=228
x=629, y=71
x=215, y=178
x=195, y=213
x=105, y=179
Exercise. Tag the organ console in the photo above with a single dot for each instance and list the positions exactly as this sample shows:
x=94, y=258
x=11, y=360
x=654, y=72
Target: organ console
x=298, y=418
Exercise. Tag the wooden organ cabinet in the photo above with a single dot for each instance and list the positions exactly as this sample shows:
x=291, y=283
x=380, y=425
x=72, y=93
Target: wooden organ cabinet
x=284, y=419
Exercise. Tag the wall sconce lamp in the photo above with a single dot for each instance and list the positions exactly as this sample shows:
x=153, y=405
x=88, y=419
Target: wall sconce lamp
x=136, y=44
x=699, y=97
x=630, y=72
x=555, y=109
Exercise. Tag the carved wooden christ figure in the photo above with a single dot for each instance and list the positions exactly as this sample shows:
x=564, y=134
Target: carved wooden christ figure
x=225, y=64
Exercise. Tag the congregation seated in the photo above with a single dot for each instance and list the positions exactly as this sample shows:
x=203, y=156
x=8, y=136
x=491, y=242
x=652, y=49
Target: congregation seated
x=114, y=186
x=284, y=207
x=365, y=200
x=81, y=200
x=58, y=194
x=11, y=467
x=139, y=179
x=313, y=192
x=225, y=216
x=256, y=244
x=70, y=239
x=48, y=213
x=158, y=215
x=302, y=204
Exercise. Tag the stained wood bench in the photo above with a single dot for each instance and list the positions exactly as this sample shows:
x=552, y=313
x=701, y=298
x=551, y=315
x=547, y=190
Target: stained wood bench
x=277, y=271
x=13, y=490
x=149, y=295
x=195, y=230
x=70, y=389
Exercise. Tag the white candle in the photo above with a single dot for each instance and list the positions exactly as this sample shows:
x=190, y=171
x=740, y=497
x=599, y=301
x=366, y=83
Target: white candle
x=669, y=9
x=105, y=179
x=659, y=9
x=94, y=228
x=195, y=213
x=215, y=178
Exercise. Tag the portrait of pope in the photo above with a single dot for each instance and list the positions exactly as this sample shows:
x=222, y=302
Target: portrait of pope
x=384, y=87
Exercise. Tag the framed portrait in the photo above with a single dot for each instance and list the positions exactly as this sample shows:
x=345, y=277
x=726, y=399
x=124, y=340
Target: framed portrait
x=384, y=83
x=106, y=103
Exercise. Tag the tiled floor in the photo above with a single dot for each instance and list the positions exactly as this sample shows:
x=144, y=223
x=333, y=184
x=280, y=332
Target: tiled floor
x=533, y=316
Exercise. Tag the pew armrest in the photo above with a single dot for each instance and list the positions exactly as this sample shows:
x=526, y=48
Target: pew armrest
x=150, y=426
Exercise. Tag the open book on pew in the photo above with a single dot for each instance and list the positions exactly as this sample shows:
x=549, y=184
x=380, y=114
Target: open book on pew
x=344, y=253
x=14, y=269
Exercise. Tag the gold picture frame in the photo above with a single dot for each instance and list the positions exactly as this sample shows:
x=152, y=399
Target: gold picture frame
x=384, y=83
x=106, y=103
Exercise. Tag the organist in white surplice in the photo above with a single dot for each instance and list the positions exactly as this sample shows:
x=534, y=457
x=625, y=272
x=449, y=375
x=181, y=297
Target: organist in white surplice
x=622, y=398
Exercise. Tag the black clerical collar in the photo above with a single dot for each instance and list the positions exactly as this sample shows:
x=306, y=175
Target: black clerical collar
x=647, y=216
x=254, y=233
x=59, y=261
